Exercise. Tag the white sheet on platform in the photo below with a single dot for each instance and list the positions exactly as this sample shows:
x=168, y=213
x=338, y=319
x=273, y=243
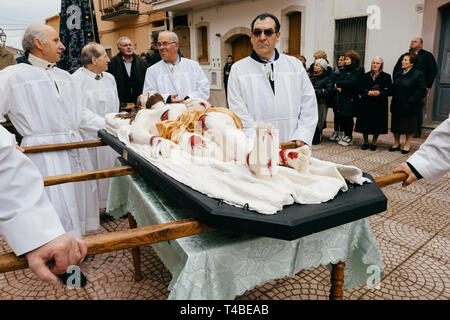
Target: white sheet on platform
x=236, y=185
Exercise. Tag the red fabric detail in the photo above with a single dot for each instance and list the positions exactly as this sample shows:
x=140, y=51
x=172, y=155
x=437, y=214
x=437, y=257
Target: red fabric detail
x=197, y=141
x=165, y=115
x=283, y=159
x=292, y=155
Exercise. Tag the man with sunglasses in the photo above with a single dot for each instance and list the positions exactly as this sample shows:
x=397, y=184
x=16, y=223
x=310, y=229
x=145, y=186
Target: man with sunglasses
x=272, y=88
x=175, y=77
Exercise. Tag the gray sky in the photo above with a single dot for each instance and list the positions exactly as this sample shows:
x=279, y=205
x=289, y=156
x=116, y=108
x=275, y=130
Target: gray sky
x=16, y=15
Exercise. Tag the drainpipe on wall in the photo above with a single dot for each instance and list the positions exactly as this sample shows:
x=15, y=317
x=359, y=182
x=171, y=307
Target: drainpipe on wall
x=170, y=20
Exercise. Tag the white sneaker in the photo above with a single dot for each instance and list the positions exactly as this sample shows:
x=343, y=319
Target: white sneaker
x=346, y=141
x=334, y=136
x=339, y=136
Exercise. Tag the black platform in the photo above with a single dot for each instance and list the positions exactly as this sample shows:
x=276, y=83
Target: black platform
x=293, y=222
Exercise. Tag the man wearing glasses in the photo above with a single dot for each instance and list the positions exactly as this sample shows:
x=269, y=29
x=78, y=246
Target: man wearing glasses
x=175, y=77
x=272, y=88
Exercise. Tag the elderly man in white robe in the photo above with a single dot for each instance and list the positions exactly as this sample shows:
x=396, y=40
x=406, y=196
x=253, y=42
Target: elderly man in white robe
x=99, y=94
x=44, y=104
x=174, y=77
x=272, y=88
x=28, y=221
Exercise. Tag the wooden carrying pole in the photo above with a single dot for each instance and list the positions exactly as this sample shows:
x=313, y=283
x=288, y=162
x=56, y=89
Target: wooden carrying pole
x=121, y=240
x=63, y=146
x=134, y=238
x=89, y=175
x=145, y=235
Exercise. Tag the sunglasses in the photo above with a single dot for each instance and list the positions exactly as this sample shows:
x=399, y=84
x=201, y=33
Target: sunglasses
x=267, y=32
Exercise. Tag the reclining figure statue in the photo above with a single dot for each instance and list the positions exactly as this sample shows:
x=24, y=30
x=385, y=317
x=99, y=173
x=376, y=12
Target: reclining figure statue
x=202, y=130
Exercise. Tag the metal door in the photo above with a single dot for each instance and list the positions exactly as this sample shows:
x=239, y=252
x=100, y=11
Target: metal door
x=442, y=97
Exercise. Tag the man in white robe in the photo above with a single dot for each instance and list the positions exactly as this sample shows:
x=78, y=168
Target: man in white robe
x=44, y=104
x=99, y=94
x=272, y=88
x=174, y=77
x=432, y=160
x=28, y=221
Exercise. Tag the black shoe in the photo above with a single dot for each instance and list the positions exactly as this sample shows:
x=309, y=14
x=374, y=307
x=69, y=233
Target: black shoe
x=365, y=146
x=373, y=147
x=392, y=149
x=405, y=151
x=72, y=284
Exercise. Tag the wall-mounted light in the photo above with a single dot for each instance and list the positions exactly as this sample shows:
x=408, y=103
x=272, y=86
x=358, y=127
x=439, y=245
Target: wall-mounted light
x=2, y=37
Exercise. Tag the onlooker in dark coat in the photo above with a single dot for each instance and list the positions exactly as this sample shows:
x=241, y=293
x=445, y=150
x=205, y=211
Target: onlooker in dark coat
x=372, y=117
x=425, y=63
x=321, y=81
x=319, y=54
x=129, y=71
x=226, y=73
x=153, y=57
x=338, y=131
x=346, y=85
x=409, y=89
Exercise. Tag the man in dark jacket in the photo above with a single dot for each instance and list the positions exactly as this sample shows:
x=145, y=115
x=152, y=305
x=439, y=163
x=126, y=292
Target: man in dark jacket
x=129, y=71
x=226, y=73
x=427, y=64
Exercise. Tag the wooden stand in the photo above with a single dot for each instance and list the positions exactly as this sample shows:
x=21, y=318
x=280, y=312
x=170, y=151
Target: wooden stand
x=337, y=281
x=135, y=237
x=135, y=252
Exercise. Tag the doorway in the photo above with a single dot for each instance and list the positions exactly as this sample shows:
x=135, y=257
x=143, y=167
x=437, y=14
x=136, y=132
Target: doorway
x=242, y=47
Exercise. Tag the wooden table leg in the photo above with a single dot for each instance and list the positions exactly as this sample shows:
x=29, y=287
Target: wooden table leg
x=135, y=252
x=337, y=281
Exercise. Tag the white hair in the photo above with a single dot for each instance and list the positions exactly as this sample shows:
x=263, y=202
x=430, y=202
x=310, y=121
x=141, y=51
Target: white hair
x=382, y=62
x=173, y=34
x=120, y=40
x=32, y=32
x=323, y=63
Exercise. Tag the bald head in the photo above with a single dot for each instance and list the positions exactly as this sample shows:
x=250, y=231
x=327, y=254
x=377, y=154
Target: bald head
x=35, y=31
x=43, y=41
x=416, y=44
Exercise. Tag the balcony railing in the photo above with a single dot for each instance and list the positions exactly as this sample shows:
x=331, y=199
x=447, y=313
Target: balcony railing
x=116, y=10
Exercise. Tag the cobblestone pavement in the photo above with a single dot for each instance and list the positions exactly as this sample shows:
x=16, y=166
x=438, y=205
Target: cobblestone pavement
x=413, y=236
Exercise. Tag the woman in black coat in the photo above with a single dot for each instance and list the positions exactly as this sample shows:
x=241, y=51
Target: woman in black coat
x=332, y=103
x=321, y=81
x=374, y=89
x=346, y=86
x=409, y=88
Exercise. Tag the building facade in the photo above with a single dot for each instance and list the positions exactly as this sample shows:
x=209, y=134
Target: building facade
x=116, y=18
x=213, y=29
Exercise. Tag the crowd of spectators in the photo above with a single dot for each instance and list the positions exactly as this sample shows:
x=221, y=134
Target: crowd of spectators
x=353, y=93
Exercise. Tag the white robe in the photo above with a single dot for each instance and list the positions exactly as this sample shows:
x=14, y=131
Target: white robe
x=186, y=79
x=432, y=160
x=293, y=107
x=45, y=113
x=100, y=96
x=27, y=218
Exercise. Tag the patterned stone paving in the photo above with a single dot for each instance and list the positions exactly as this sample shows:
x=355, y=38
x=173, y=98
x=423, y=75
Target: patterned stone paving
x=413, y=235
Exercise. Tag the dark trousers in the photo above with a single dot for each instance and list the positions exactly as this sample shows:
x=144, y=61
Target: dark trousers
x=344, y=124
